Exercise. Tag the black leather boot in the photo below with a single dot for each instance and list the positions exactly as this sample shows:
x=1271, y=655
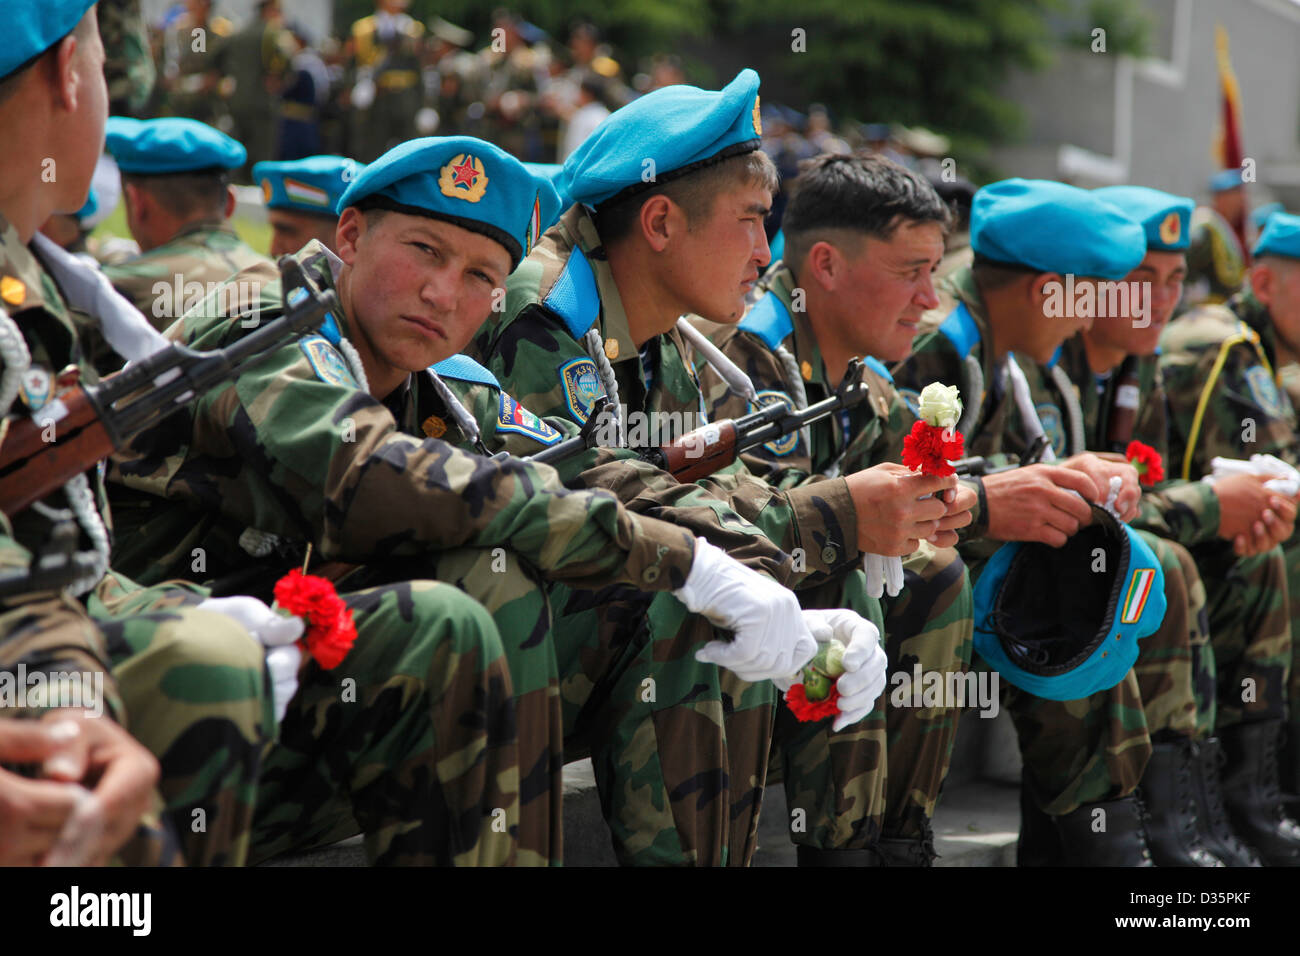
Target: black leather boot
x=1114, y=837
x=811, y=856
x=1172, y=832
x=909, y=851
x=1211, y=813
x=1250, y=790
x=1039, y=844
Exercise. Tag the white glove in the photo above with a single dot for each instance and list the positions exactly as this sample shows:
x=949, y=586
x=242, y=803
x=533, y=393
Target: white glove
x=1285, y=479
x=865, y=662
x=771, y=637
x=884, y=574
x=275, y=632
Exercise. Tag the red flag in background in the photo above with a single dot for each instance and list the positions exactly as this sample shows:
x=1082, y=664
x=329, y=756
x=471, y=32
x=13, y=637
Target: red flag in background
x=1228, y=147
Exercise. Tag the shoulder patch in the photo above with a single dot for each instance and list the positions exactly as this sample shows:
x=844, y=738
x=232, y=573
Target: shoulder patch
x=769, y=320
x=574, y=296
x=960, y=329
x=1053, y=427
x=581, y=383
x=513, y=417
x=327, y=363
x=464, y=369
x=877, y=366
x=786, y=443
x=1264, y=391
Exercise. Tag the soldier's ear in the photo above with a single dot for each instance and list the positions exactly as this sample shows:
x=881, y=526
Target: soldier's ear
x=230, y=201
x=658, y=220
x=1262, y=280
x=1040, y=288
x=823, y=264
x=351, y=227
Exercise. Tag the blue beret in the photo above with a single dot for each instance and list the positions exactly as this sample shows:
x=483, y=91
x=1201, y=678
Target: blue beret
x=1053, y=227
x=1225, y=179
x=311, y=185
x=1260, y=214
x=170, y=145
x=30, y=27
x=555, y=173
x=465, y=181
x=1166, y=218
x=1281, y=237
x=677, y=128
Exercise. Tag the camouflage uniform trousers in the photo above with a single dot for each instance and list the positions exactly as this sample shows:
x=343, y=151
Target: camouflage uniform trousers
x=511, y=593
x=55, y=635
x=1096, y=748
x=883, y=775
x=195, y=694
x=410, y=740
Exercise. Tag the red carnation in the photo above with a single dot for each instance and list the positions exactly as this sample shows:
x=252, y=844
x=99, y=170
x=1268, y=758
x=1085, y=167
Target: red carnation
x=1146, y=460
x=928, y=450
x=810, y=710
x=330, y=631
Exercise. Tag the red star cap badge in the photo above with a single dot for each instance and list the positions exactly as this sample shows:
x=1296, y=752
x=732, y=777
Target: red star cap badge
x=465, y=172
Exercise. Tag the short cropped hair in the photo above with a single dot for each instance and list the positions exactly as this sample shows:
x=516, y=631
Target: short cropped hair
x=864, y=194
x=694, y=192
x=188, y=195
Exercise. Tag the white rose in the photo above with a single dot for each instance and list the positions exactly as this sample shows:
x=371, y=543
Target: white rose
x=940, y=405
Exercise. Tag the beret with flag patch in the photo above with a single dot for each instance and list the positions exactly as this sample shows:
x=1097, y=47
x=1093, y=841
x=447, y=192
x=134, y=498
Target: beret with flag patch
x=1165, y=218
x=462, y=180
x=30, y=27
x=664, y=134
x=1052, y=227
x=310, y=185
x=172, y=144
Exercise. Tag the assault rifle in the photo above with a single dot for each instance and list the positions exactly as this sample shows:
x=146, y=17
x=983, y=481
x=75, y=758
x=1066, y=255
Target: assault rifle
x=714, y=446
x=84, y=424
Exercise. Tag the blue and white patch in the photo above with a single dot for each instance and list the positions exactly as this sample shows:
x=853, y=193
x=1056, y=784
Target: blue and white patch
x=1264, y=391
x=513, y=417
x=786, y=443
x=327, y=363
x=1053, y=427
x=582, y=387
x=37, y=387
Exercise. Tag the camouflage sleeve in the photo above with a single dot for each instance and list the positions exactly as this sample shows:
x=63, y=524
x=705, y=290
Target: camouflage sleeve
x=135, y=279
x=1243, y=413
x=327, y=458
x=636, y=484
x=528, y=353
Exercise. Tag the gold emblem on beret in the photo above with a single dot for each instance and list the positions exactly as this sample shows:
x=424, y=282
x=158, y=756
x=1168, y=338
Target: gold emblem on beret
x=1171, y=229
x=434, y=427
x=611, y=349
x=758, y=118
x=12, y=290
x=463, y=178
x=266, y=190
x=805, y=369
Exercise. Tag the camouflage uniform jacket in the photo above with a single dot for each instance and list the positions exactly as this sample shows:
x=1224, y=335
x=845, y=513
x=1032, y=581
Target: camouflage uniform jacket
x=1219, y=364
x=295, y=450
x=1183, y=511
x=866, y=435
x=560, y=295
x=169, y=280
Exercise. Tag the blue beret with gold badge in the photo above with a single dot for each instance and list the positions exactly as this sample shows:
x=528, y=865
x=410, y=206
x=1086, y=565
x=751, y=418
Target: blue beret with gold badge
x=1166, y=218
x=664, y=134
x=172, y=144
x=462, y=180
x=1052, y=227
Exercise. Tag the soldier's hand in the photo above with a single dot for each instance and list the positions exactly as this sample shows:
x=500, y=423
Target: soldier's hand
x=894, y=514
x=865, y=662
x=771, y=638
x=1039, y=503
x=32, y=812
x=1100, y=470
x=1253, y=518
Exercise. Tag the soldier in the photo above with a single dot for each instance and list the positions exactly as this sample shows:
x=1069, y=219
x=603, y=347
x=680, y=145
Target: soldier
x=929, y=625
x=1026, y=235
x=301, y=196
x=385, y=50
x=427, y=232
x=128, y=62
x=1218, y=363
x=1106, y=380
x=257, y=60
x=1216, y=261
x=192, y=65
x=594, y=308
x=175, y=182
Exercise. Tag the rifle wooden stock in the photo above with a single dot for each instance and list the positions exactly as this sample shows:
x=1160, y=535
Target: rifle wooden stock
x=700, y=453
x=31, y=467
